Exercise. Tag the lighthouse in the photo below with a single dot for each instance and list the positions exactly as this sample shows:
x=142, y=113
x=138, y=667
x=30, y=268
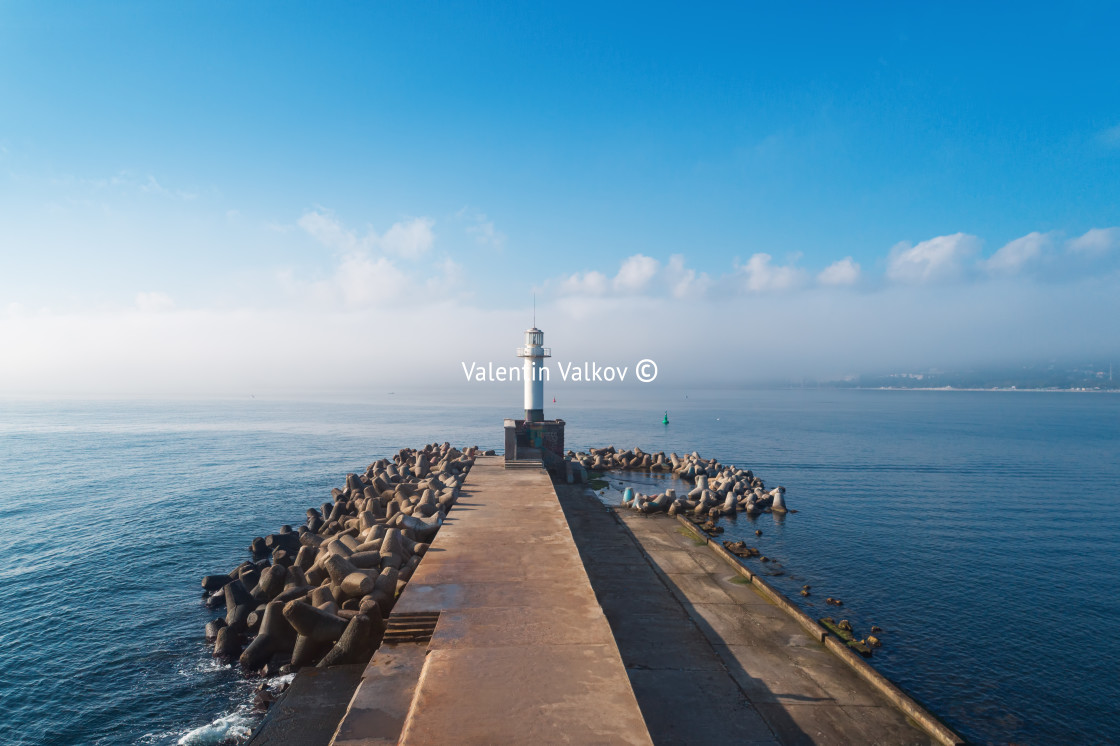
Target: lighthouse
x=534, y=352
x=534, y=441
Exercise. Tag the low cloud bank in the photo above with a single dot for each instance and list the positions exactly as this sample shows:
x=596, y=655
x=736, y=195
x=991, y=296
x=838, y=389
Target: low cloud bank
x=158, y=349
x=392, y=311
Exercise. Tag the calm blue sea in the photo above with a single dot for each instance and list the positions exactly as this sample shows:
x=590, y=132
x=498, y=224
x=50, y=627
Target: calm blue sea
x=980, y=530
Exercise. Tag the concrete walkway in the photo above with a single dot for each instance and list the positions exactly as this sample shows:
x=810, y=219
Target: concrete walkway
x=710, y=659
x=521, y=651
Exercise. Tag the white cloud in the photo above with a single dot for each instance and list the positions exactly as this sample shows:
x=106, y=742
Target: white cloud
x=324, y=227
x=843, y=272
x=235, y=352
x=364, y=277
x=759, y=275
x=639, y=275
x=363, y=281
x=154, y=302
x=584, y=283
x=267, y=339
x=936, y=260
x=685, y=283
x=1095, y=242
x=279, y=345
x=409, y=239
x=635, y=273
x=124, y=181
x=1013, y=257
x=151, y=186
x=447, y=281
x=482, y=229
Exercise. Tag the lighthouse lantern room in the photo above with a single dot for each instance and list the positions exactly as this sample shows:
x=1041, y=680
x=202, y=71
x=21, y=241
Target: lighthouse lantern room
x=534, y=352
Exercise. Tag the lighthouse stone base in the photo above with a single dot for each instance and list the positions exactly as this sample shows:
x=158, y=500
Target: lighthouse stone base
x=527, y=439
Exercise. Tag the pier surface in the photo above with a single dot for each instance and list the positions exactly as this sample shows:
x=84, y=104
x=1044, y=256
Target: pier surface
x=538, y=615
x=520, y=652
x=711, y=660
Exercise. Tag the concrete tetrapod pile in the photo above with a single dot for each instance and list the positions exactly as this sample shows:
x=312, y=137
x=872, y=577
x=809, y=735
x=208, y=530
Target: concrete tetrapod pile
x=320, y=595
x=720, y=489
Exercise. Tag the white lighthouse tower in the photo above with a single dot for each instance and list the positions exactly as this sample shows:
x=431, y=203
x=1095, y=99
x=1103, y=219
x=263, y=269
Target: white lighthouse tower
x=534, y=353
x=535, y=441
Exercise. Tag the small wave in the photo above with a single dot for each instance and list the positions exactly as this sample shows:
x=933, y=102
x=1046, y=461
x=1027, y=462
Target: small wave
x=233, y=728
x=207, y=665
x=276, y=682
x=227, y=730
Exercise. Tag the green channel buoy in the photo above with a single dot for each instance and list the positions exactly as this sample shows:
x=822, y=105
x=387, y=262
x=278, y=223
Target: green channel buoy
x=666, y=420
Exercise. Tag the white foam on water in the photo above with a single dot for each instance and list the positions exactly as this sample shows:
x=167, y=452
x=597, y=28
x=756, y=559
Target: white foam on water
x=203, y=665
x=232, y=728
x=276, y=682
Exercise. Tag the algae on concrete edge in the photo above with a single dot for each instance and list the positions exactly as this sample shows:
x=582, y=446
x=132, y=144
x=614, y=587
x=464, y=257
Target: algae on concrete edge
x=849, y=639
x=692, y=535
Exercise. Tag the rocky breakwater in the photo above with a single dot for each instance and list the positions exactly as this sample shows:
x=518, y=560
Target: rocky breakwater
x=719, y=489
x=319, y=595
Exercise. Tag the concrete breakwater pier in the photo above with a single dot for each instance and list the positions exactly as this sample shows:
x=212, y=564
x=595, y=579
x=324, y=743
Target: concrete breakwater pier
x=536, y=615
x=719, y=489
x=518, y=648
x=319, y=595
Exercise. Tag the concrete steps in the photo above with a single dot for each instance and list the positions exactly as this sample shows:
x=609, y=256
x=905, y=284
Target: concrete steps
x=524, y=464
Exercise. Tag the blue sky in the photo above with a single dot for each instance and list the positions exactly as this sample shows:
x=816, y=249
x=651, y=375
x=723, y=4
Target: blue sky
x=848, y=189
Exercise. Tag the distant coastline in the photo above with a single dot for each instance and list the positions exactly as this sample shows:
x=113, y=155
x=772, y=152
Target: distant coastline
x=1051, y=376
x=962, y=388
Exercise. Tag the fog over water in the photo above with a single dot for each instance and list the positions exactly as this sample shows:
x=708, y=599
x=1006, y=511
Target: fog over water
x=812, y=333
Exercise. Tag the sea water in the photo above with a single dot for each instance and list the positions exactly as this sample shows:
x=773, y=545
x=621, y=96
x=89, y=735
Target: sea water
x=979, y=530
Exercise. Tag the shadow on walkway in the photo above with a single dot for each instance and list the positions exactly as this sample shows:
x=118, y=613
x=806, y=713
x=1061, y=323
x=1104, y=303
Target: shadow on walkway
x=710, y=659
x=686, y=692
